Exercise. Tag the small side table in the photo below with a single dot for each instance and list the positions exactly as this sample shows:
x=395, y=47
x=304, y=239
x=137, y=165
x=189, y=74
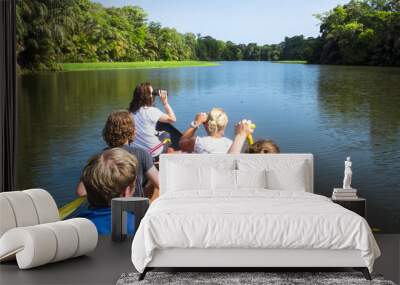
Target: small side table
x=358, y=206
x=119, y=208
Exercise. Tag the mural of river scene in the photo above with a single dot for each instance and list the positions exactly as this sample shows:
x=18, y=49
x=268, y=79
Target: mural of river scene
x=330, y=111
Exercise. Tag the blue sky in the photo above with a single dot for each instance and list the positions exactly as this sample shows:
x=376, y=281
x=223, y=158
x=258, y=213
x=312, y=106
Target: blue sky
x=241, y=21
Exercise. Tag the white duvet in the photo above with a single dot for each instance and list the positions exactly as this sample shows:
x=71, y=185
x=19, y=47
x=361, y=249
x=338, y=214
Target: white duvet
x=250, y=219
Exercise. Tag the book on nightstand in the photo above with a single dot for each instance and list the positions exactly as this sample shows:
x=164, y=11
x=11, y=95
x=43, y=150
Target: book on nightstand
x=344, y=194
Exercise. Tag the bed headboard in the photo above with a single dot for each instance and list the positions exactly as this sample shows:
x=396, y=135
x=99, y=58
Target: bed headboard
x=280, y=163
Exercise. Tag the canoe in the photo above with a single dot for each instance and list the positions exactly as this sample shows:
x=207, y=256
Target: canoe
x=70, y=209
x=174, y=133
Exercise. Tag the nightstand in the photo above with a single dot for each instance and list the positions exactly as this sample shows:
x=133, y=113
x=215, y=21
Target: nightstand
x=119, y=208
x=358, y=206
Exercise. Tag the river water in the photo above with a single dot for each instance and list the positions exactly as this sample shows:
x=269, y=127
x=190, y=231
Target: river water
x=330, y=111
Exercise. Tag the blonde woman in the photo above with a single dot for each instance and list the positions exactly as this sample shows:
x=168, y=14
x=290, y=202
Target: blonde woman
x=214, y=123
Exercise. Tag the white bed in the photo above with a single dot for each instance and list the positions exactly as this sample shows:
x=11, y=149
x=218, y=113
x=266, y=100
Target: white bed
x=248, y=211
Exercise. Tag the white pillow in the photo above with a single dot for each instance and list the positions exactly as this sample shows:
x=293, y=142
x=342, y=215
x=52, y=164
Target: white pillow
x=291, y=178
x=281, y=174
x=251, y=178
x=223, y=179
x=184, y=177
x=227, y=179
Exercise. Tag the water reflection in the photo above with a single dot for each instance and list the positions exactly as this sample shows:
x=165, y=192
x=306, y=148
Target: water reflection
x=360, y=109
x=329, y=111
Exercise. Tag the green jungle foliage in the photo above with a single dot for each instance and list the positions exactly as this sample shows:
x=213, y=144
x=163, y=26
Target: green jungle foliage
x=49, y=33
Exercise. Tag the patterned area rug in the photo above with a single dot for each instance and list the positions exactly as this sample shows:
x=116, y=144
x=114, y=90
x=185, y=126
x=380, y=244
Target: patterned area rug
x=229, y=278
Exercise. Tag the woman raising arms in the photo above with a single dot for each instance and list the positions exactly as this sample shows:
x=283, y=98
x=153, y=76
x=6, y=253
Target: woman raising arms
x=214, y=123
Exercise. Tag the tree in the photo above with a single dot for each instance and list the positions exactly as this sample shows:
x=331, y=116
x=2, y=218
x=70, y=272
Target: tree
x=361, y=32
x=41, y=32
x=50, y=32
x=294, y=48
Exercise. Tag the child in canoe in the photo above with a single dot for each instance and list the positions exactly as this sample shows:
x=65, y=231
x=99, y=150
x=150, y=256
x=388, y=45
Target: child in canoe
x=243, y=130
x=107, y=175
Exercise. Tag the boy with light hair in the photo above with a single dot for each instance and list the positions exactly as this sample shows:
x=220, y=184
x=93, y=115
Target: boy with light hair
x=107, y=175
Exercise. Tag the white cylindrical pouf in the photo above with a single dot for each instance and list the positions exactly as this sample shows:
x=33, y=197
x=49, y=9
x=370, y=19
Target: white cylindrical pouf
x=23, y=208
x=45, y=205
x=7, y=217
x=87, y=234
x=33, y=246
x=67, y=240
x=37, y=245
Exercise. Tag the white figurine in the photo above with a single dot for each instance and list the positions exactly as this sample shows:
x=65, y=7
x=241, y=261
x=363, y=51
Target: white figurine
x=348, y=173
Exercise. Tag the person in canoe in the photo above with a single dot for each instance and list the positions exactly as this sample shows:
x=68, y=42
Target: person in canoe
x=214, y=123
x=243, y=130
x=264, y=146
x=107, y=175
x=147, y=116
x=119, y=131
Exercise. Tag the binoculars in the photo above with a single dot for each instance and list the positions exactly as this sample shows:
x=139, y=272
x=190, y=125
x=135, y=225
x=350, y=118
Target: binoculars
x=156, y=92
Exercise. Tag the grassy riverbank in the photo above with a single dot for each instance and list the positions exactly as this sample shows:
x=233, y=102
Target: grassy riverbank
x=292, y=61
x=134, y=65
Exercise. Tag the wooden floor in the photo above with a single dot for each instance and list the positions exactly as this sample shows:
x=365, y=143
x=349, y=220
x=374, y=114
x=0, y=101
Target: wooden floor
x=110, y=260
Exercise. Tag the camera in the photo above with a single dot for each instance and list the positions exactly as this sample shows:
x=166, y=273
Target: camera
x=156, y=92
